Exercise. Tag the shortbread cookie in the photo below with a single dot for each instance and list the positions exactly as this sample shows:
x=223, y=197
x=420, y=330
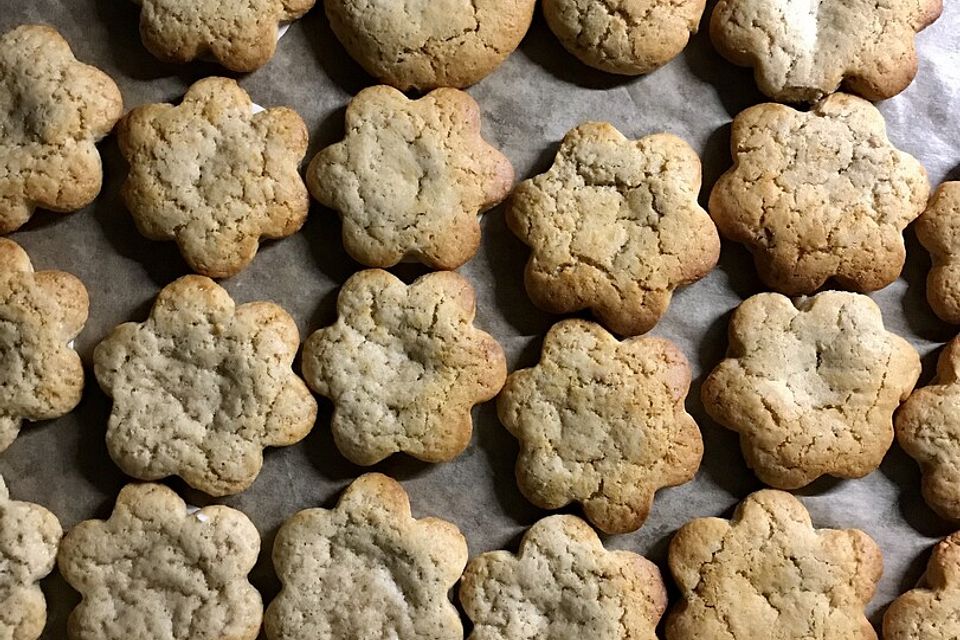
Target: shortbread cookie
x=215, y=176
x=563, y=585
x=403, y=366
x=811, y=386
x=201, y=387
x=29, y=535
x=158, y=570
x=53, y=110
x=768, y=573
x=629, y=38
x=932, y=610
x=411, y=177
x=938, y=229
x=602, y=422
x=425, y=45
x=802, y=50
x=614, y=227
x=819, y=194
x=366, y=570
x=40, y=315
x=239, y=34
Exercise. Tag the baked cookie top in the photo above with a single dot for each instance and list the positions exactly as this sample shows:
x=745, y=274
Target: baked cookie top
x=802, y=50
x=563, y=585
x=819, y=194
x=932, y=610
x=428, y=43
x=769, y=573
x=811, y=386
x=602, y=422
x=239, y=34
x=410, y=178
x=201, y=387
x=40, y=314
x=404, y=365
x=53, y=109
x=366, y=570
x=215, y=176
x=938, y=230
x=614, y=226
x=157, y=570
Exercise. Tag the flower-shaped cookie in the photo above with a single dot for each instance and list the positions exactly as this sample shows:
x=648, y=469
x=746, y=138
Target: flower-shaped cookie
x=366, y=570
x=563, y=584
x=602, y=422
x=802, y=50
x=938, y=229
x=403, y=366
x=215, y=176
x=819, y=194
x=41, y=376
x=201, y=387
x=932, y=610
x=53, y=110
x=157, y=570
x=410, y=178
x=811, y=386
x=614, y=227
x=770, y=573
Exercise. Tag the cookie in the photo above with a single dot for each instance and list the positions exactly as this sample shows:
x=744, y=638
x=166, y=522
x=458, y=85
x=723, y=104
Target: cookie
x=819, y=194
x=41, y=312
x=932, y=610
x=239, y=34
x=769, y=573
x=410, y=178
x=201, y=387
x=53, y=111
x=938, y=230
x=601, y=422
x=811, y=386
x=614, y=227
x=214, y=176
x=801, y=50
x=629, y=38
x=425, y=45
x=403, y=366
x=158, y=570
x=366, y=570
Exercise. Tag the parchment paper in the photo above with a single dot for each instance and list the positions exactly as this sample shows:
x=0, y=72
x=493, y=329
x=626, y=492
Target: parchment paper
x=528, y=104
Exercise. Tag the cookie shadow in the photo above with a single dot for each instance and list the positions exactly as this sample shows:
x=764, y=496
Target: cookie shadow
x=904, y=473
x=61, y=600
x=92, y=457
x=738, y=266
x=336, y=62
x=919, y=315
x=715, y=159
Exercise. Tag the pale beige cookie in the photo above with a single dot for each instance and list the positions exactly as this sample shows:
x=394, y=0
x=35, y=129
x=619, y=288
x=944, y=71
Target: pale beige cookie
x=411, y=177
x=811, y=386
x=53, y=109
x=802, y=50
x=427, y=44
x=403, y=366
x=819, y=194
x=769, y=574
x=201, y=387
x=629, y=38
x=932, y=610
x=215, y=176
x=563, y=585
x=614, y=226
x=366, y=570
x=938, y=230
x=40, y=314
x=239, y=34
x=602, y=422
x=157, y=570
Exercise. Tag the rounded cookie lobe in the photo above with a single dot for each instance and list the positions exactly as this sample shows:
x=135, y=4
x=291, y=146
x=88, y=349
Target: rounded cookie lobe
x=932, y=610
x=938, y=230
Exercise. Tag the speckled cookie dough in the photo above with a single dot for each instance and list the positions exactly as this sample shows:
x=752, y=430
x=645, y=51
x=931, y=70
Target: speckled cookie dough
x=938, y=230
x=932, y=610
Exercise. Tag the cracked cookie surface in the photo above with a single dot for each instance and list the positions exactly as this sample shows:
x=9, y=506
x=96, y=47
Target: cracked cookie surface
x=410, y=178
x=601, y=422
x=614, y=227
x=201, y=387
x=818, y=195
x=53, y=110
x=811, y=386
x=214, y=176
x=403, y=366
x=938, y=230
x=366, y=570
x=768, y=573
x=156, y=571
x=563, y=585
x=932, y=610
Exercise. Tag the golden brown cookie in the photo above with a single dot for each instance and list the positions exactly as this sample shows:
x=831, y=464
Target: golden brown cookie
x=932, y=610
x=938, y=230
